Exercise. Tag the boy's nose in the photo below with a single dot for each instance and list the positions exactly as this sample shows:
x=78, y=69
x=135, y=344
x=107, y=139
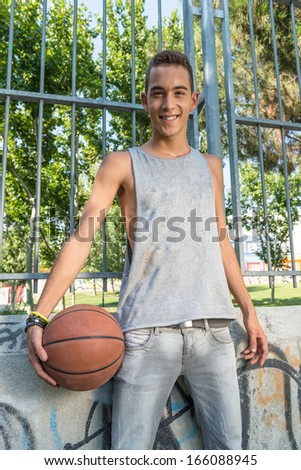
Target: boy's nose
x=168, y=102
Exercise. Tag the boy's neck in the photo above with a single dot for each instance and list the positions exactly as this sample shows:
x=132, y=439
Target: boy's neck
x=167, y=147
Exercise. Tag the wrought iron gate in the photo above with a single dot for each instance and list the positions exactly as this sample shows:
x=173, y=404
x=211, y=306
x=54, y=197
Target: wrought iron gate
x=207, y=13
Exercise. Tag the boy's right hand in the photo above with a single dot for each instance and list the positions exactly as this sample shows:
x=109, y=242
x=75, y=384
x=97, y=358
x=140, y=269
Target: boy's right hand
x=37, y=354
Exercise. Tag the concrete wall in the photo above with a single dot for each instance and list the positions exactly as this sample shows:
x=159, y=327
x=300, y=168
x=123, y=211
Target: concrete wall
x=34, y=416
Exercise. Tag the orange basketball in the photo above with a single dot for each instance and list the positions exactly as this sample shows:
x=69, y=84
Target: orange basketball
x=85, y=347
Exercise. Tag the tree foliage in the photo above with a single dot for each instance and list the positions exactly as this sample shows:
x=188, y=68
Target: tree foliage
x=21, y=175
x=270, y=103
x=268, y=99
x=272, y=226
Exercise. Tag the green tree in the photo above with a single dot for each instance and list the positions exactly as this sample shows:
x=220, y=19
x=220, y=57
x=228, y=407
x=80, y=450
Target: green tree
x=272, y=140
x=276, y=219
x=119, y=65
x=23, y=132
x=266, y=76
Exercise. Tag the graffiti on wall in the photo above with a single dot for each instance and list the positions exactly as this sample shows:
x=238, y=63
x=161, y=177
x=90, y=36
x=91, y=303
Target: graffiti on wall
x=287, y=382
x=12, y=337
x=178, y=405
x=15, y=429
x=178, y=423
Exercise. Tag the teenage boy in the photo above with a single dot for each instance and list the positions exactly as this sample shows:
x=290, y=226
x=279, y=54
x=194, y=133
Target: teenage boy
x=175, y=306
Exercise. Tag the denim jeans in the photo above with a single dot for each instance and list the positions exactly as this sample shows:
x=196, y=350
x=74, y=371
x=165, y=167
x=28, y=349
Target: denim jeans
x=154, y=359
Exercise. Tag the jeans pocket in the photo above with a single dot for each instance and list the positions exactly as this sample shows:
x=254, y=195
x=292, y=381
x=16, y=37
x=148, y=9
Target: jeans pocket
x=221, y=335
x=136, y=340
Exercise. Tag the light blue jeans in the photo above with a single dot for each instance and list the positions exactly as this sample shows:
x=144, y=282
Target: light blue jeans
x=153, y=361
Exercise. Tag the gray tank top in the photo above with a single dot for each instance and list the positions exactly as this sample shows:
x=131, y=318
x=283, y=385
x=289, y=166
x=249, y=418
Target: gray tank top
x=175, y=272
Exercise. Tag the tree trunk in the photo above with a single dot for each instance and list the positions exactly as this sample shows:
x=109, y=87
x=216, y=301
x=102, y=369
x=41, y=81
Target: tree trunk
x=13, y=295
x=273, y=290
x=73, y=294
x=29, y=254
x=94, y=287
x=29, y=241
x=62, y=303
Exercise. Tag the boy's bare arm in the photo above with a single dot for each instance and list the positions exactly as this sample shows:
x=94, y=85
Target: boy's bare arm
x=257, y=349
x=75, y=250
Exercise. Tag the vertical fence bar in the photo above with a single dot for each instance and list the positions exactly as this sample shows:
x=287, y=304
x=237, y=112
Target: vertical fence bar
x=213, y=128
x=133, y=78
x=104, y=138
x=288, y=206
x=160, y=25
x=193, y=128
x=73, y=133
x=260, y=150
x=104, y=75
x=231, y=123
x=39, y=150
x=73, y=118
x=296, y=46
x=6, y=121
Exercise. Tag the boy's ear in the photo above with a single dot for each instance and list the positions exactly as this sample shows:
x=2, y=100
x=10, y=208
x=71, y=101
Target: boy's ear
x=194, y=100
x=144, y=101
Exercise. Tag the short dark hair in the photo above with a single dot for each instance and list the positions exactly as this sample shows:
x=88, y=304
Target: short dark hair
x=169, y=57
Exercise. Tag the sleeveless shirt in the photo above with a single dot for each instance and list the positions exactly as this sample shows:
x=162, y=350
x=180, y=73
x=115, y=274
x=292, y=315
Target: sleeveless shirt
x=175, y=271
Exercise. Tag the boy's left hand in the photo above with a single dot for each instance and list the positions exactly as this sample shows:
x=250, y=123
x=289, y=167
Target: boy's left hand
x=257, y=349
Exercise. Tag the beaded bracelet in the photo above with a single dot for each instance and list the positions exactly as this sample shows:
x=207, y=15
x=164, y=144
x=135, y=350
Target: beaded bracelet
x=36, y=320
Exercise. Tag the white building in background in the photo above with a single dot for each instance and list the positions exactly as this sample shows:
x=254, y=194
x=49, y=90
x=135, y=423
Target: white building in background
x=254, y=263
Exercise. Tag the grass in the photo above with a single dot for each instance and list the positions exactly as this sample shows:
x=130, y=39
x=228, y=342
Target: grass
x=108, y=300
x=285, y=295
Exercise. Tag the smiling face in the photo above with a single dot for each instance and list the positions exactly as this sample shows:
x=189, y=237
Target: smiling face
x=169, y=100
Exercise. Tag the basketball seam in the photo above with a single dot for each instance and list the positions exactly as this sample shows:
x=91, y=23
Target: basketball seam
x=86, y=372
x=78, y=338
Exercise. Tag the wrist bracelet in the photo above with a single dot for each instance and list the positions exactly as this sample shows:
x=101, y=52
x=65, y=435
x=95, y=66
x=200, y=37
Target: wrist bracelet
x=37, y=314
x=35, y=320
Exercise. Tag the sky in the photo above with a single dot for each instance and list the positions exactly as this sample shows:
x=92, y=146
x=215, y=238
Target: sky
x=151, y=8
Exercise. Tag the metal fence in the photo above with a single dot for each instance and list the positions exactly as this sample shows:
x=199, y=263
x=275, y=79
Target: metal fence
x=260, y=123
x=208, y=13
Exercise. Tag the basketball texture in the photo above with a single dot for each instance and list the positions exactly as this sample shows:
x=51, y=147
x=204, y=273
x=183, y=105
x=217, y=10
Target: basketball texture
x=85, y=347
